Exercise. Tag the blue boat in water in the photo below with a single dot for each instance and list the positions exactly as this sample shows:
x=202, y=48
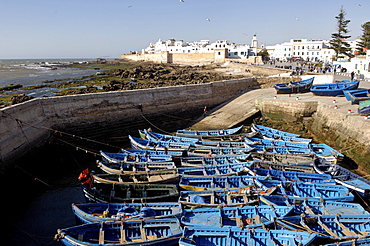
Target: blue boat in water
x=145, y=232
x=345, y=177
x=197, y=236
x=241, y=217
x=294, y=87
x=211, y=133
x=337, y=227
x=116, y=212
x=315, y=206
x=335, y=89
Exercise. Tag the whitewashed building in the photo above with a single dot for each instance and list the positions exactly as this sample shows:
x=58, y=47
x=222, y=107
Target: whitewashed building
x=308, y=50
x=238, y=51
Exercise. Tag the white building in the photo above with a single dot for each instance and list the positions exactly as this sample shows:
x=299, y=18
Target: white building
x=241, y=51
x=308, y=50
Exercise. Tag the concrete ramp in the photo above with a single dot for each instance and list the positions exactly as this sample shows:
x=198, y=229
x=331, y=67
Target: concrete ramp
x=233, y=112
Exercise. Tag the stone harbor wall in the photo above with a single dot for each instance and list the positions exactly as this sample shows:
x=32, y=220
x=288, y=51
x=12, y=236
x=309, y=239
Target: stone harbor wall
x=26, y=125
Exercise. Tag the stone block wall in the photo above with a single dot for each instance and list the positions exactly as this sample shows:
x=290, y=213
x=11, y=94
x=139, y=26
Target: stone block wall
x=25, y=125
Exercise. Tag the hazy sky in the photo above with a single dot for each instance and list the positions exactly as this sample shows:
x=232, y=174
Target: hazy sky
x=97, y=28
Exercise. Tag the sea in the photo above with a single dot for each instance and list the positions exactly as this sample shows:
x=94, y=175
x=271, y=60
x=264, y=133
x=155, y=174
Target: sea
x=29, y=72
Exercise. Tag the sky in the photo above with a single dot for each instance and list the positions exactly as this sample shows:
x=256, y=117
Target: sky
x=109, y=28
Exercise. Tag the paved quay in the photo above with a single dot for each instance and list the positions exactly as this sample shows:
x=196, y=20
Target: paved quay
x=244, y=106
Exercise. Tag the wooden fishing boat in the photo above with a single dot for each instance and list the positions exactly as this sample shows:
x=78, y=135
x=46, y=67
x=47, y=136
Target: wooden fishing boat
x=277, y=143
x=292, y=176
x=284, y=158
x=345, y=177
x=219, y=182
x=282, y=150
x=273, y=134
x=113, y=193
x=133, y=158
x=221, y=198
x=216, y=170
x=207, y=151
x=116, y=212
x=308, y=190
x=335, y=89
x=153, y=136
x=356, y=96
x=313, y=206
x=329, y=226
x=364, y=107
x=294, y=87
x=152, y=152
x=239, y=237
x=260, y=183
x=212, y=161
x=211, y=133
x=144, y=144
x=352, y=242
x=168, y=176
x=260, y=128
x=145, y=232
x=123, y=167
x=241, y=217
x=324, y=151
x=290, y=167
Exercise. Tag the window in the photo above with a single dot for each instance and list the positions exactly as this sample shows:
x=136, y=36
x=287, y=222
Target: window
x=219, y=53
x=317, y=53
x=318, y=47
x=242, y=53
x=302, y=47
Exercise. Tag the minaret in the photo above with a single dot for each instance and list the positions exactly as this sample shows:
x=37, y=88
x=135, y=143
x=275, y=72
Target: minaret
x=254, y=41
x=254, y=44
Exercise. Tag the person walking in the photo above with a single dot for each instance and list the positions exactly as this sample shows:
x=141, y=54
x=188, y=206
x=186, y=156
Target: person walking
x=205, y=111
x=352, y=75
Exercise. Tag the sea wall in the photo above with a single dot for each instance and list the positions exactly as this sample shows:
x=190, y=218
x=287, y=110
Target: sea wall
x=26, y=125
x=286, y=110
x=348, y=133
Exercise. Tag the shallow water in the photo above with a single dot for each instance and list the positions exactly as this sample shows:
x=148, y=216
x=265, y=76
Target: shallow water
x=34, y=72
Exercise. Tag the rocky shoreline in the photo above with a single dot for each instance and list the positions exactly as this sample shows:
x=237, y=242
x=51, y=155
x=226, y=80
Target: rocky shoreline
x=124, y=75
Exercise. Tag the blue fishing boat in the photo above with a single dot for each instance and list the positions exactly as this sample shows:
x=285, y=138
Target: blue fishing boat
x=352, y=242
x=212, y=161
x=117, y=212
x=149, y=135
x=292, y=176
x=282, y=150
x=133, y=158
x=220, y=198
x=260, y=128
x=144, y=144
x=290, y=167
x=151, y=152
x=124, y=167
x=241, y=217
x=364, y=107
x=196, y=236
x=335, y=89
x=211, y=133
x=146, y=232
x=273, y=134
x=308, y=190
x=337, y=227
x=278, y=143
x=215, y=170
x=260, y=183
x=315, y=206
x=291, y=159
x=167, y=176
x=356, y=96
x=120, y=193
x=294, y=87
x=345, y=177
